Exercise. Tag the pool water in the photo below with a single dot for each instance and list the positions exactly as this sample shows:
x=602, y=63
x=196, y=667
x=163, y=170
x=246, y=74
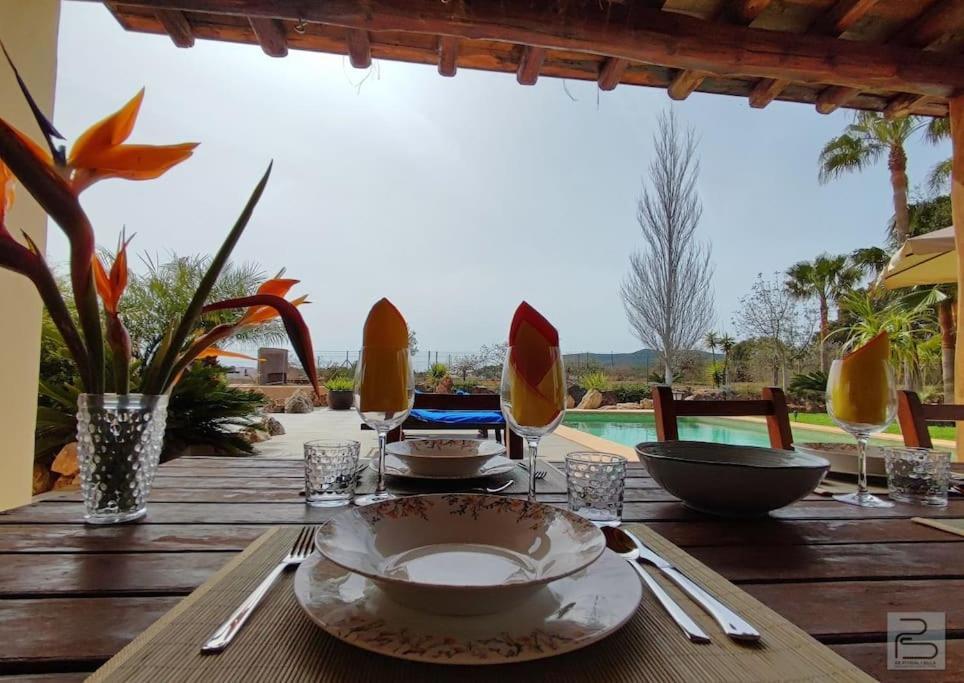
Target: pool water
x=631, y=429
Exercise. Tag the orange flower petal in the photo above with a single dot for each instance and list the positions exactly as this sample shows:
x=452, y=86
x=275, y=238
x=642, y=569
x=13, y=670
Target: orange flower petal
x=102, y=282
x=132, y=162
x=258, y=315
x=106, y=133
x=214, y=352
x=6, y=190
x=278, y=286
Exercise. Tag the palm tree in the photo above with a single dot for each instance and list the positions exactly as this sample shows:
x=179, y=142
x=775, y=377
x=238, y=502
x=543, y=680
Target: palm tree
x=870, y=260
x=937, y=131
x=712, y=340
x=863, y=143
x=826, y=279
x=726, y=345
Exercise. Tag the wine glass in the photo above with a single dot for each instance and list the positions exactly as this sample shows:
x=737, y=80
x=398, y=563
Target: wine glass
x=862, y=405
x=533, y=397
x=384, y=394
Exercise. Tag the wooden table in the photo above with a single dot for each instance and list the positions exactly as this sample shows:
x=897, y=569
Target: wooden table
x=72, y=595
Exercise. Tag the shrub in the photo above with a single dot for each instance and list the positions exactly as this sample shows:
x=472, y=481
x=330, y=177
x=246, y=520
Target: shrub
x=436, y=372
x=633, y=393
x=811, y=385
x=595, y=379
x=340, y=384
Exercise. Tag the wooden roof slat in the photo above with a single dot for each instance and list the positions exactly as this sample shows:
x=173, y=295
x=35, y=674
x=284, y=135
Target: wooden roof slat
x=902, y=105
x=832, y=98
x=841, y=17
x=530, y=64
x=611, y=72
x=448, y=55
x=931, y=27
x=359, y=48
x=177, y=26
x=685, y=83
x=765, y=91
x=271, y=36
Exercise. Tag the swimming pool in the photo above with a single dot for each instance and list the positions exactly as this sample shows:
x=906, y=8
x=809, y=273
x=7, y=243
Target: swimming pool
x=630, y=429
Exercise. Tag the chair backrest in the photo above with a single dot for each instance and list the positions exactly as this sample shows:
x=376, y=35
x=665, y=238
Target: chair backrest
x=458, y=402
x=914, y=416
x=773, y=406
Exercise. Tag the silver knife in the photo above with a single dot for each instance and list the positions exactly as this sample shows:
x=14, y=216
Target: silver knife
x=732, y=624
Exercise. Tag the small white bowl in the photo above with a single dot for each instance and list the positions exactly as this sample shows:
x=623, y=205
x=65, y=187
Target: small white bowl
x=436, y=458
x=460, y=553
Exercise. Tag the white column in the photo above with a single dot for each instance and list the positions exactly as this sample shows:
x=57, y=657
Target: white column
x=28, y=28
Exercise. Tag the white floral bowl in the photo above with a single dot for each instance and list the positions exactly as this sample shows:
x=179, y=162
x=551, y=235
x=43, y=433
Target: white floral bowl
x=457, y=458
x=460, y=553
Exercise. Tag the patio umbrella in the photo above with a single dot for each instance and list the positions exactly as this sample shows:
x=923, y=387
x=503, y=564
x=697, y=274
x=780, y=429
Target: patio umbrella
x=925, y=260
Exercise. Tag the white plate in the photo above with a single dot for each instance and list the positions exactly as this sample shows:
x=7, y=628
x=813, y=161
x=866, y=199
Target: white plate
x=395, y=467
x=450, y=458
x=843, y=457
x=566, y=615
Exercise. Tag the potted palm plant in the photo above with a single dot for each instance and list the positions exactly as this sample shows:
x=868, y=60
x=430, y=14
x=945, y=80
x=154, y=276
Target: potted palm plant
x=340, y=393
x=122, y=406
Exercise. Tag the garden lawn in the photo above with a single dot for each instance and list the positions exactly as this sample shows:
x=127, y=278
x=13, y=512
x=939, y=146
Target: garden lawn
x=937, y=432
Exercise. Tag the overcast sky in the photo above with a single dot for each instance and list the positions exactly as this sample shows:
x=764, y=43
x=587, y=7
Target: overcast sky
x=454, y=197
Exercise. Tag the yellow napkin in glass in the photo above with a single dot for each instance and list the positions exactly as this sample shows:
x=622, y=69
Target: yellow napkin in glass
x=536, y=385
x=860, y=393
x=383, y=386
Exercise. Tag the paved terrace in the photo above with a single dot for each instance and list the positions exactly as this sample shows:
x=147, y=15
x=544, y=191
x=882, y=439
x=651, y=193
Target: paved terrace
x=345, y=424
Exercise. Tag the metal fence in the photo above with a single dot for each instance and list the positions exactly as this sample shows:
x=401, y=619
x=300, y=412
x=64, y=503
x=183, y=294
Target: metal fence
x=422, y=360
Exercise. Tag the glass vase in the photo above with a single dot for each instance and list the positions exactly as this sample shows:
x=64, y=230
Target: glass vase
x=119, y=441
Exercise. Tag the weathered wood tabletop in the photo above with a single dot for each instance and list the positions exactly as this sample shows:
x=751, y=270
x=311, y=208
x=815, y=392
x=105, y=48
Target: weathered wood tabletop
x=72, y=595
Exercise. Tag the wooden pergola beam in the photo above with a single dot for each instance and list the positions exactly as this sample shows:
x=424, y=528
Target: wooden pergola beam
x=684, y=83
x=831, y=99
x=529, y=65
x=627, y=31
x=611, y=73
x=448, y=55
x=902, y=105
x=271, y=36
x=931, y=27
x=177, y=26
x=834, y=22
x=359, y=48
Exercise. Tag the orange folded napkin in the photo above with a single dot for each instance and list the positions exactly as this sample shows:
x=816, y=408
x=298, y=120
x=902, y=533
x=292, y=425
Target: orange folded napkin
x=383, y=386
x=861, y=392
x=537, y=388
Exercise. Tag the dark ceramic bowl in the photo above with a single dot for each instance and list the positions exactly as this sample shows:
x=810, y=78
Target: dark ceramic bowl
x=732, y=481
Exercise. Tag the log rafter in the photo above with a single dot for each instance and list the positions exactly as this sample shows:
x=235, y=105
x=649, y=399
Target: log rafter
x=448, y=55
x=659, y=44
x=530, y=64
x=359, y=48
x=271, y=36
x=177, y=26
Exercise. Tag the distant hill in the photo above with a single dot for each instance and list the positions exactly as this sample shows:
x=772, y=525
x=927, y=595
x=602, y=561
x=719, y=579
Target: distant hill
x=644, y=358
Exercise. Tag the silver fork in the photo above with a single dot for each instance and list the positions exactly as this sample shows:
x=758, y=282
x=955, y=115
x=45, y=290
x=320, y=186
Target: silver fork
x=540, y=474
x=226, y=632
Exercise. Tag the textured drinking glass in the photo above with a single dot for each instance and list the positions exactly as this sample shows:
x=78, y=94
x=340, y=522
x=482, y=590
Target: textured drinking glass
x=595, y=483
x=119, y=442
x=533, y=407
x=918, y=475
x=841, y=390
x=384, y=395
x=330, y=472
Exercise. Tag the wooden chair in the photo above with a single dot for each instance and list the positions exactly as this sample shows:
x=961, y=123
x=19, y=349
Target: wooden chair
x=914, y=416
x=457, y=402
x=773, y=406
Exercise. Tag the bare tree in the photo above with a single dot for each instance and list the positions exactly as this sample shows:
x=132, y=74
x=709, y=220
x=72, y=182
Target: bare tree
x=668, y=293
x=782, y=327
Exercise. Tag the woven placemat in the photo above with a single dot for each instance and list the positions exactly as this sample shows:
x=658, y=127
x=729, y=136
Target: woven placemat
x=951, y=526
x=554, y=482
x=280, y=643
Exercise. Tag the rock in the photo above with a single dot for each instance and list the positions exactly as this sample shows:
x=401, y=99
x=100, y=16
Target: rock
x=592, y=400
x=273, y=427
x=252, y=435
x=479, y=389
x=42, y=480
x=607, y=407
x=570, y=402
x=299, y=402
x=445, y=386
x=609, y=398
x=275, y=405
x=67, y=483
x=319, y=400
x=66, y=461
x=577, y=393
x=627, y=406
x=646, y=404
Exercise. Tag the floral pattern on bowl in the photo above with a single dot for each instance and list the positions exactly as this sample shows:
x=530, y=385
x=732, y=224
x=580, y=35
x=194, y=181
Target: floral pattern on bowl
x=445, y=457
x=460, y=553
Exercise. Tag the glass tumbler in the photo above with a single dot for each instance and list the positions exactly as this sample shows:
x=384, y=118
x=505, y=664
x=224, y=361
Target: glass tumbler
x=595, y=483
x=330, y=472
x=920, y=476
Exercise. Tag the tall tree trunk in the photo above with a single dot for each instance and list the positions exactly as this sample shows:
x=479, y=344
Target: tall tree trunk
x=945, y=317
x=668, y=373
x=897, y=163
x=824, y=330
